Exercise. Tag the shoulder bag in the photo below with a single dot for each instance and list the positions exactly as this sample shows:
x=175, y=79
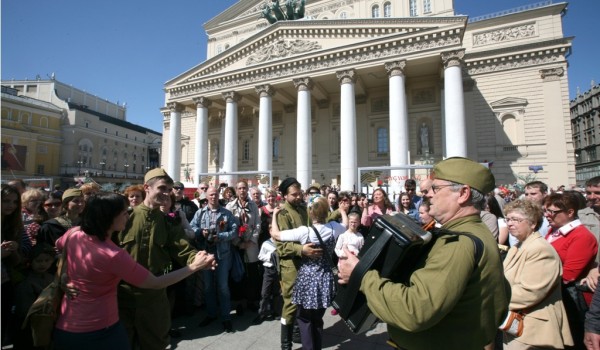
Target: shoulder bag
x=44, y=311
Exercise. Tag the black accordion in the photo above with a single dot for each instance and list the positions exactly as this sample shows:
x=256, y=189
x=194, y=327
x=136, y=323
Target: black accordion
x=393, y=246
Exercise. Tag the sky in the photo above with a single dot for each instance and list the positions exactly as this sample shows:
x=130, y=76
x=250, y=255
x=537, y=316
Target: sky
x=126, y=50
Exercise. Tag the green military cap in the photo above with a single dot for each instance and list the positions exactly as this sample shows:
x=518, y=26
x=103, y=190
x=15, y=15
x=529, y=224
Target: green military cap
x=465, y=171
x=156, y=172
x=71, y=192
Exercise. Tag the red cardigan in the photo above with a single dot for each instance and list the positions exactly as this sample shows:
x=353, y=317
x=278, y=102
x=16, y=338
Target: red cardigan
x=577, y=251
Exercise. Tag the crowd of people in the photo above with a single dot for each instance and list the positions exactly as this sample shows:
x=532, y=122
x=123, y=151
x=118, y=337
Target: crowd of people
x=499, y=258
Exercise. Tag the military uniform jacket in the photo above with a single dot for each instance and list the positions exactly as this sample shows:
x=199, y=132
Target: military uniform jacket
x=449, y=301
x=154, y=241
x=288, y=218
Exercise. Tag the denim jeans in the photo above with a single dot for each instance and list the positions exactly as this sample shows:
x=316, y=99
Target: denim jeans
x=217, y=282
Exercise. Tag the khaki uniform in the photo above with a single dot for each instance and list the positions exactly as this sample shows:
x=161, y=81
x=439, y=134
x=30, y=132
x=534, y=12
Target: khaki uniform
x=290, y=254
x=153, y=240
x=449, y=303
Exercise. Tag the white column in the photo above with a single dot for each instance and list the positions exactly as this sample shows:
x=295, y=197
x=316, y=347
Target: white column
x=304, y=133
x=265, y=130
x=174, y=166
x=455, y=137
x=398, y=120
x=348, y=159
x=230, y=151
x=201, y=151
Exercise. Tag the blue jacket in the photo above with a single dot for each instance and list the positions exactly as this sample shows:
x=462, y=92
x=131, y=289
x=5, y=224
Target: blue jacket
x=226, y=226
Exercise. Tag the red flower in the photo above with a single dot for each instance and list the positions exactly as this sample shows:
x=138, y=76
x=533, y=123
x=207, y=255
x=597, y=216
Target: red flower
x=242, y=230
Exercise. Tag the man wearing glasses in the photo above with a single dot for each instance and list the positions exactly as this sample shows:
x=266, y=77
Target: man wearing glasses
x=188, y=207
x=451, y=301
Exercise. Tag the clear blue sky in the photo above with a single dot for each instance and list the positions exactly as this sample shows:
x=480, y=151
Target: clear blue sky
x=126, y=50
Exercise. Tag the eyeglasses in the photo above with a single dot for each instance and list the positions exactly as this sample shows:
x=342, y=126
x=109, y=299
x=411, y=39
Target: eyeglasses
x=178, y=188
x=552, y=212
x=517, y=220
x=435, y=188
x=314, y=192
x=52, y=205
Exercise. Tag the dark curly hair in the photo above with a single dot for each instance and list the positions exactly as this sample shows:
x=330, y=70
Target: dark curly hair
x=12, y=224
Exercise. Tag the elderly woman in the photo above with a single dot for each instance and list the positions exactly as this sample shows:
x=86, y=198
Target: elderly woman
x=577, y=247
x=533, y=269
x=33, y=212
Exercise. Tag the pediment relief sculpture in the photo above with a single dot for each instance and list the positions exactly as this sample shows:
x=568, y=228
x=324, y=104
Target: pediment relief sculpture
x=282, y=48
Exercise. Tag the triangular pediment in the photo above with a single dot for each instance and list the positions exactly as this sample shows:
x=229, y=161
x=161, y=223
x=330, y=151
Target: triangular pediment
x=289, y=41
x=509, y=102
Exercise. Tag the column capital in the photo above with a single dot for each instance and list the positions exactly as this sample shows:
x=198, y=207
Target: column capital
x=231, y=96
x=452, y=58
x=303, y=84
x=166, y=112
x=202, y=102
x=395, y=68
x=347, y=76
x=552, y=74
x=175, y=107
x=265, y=90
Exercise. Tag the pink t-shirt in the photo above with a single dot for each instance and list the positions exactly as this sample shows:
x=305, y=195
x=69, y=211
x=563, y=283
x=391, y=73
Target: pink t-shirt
x=95, y=268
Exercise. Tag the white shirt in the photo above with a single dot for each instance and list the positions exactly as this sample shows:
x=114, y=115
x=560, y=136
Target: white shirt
x=304, y=234
x=352, y=241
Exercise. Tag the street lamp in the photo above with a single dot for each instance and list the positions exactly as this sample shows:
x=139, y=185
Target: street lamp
x=102, y=164
x=79, y=163
x=126, y=168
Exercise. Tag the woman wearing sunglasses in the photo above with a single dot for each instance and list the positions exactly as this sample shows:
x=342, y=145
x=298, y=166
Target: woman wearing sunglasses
x=577, y=248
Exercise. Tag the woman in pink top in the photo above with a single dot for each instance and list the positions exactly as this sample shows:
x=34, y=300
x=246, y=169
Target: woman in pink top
x=90, y=320
x=381, y=205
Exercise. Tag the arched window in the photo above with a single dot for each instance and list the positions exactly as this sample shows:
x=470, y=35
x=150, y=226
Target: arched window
x=426, y=6
x=412, y=8
x=375, y=11
x=86, y=150
x=246, y=151
x=387, y=9
x=44, y=122
x=382, y=141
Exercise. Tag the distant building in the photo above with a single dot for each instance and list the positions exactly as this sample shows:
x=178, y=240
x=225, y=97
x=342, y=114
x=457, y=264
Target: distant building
x=95, y=138
x=585, y=122
x=31, y=138
x=362, y=83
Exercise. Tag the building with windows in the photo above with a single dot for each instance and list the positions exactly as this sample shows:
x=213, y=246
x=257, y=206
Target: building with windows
x=31, y=138
x=367, y=83
x=91, y=135
x=585, y=122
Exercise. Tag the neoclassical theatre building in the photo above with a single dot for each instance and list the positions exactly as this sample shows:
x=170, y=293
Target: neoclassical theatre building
x=363, y=83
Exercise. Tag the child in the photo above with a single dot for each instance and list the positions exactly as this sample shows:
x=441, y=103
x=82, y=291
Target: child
x=352, y=239
x=38, y=278
x=271, y=291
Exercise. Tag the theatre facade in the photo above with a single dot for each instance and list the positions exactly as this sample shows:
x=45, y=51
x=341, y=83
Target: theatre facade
x=359, y=83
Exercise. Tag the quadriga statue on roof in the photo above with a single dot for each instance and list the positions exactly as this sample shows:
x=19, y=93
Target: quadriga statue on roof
x=294, y=9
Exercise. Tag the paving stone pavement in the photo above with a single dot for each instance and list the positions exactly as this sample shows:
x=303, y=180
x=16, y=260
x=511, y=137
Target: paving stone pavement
x=266, y=336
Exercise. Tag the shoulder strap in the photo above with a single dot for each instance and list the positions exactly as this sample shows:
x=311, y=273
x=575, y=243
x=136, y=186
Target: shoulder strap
x=324, y=247
x=476, y=242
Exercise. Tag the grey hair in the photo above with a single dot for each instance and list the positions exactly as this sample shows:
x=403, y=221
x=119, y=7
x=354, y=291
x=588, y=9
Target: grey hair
x=477, y=198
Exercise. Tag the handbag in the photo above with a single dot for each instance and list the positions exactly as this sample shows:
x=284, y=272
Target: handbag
x=238, y=270
x=513, y=324
x=44, y=311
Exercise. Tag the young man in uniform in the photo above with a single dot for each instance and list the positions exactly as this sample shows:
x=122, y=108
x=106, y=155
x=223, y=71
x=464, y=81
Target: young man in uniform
x=293, y=215
x=452, y=301
x=154, y=242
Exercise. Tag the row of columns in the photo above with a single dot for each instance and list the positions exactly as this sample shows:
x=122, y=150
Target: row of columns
x=455, y=143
